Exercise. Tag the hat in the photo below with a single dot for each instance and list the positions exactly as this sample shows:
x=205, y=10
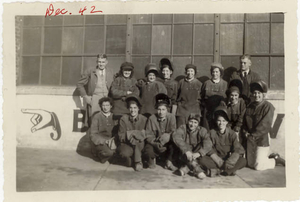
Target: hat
x=233, y=89
x=165, y=61
x=151, y=67
x=221, y=111
x=236, y=83
x=189, y=66
x=126, y=66
x=197, y=117
x=217, y=65
x=133, y=98
x=258, y=85
x=162, y=98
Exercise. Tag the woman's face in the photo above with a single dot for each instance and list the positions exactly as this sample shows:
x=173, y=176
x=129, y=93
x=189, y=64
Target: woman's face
x=234, y=97
x=221, y=123
x=126, y=73
x=151, y=77
x=215, y=73
x=106, y=107
x=190, y=73
x=193, y=124
x=162, y=111
x=133, y=110
x=258, y=96
x=166, y=72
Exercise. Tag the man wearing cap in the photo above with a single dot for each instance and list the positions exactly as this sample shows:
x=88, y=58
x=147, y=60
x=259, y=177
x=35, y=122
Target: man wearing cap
x=193, y=142
x=131, y=133
x=123, y=85
x=257, y=125
x=149, y=89
x=158, y=131
x=171, y=85
x=246, y=75
x=189, y=99
x=103, y=131
x=213, y=92
x=93, y=85
x=236, y=106
x=226, y=157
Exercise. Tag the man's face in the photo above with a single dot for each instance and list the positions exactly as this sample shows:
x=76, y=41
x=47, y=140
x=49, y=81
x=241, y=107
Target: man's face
x=234, y=97
x=258, y=96
x=101, y=63
x=166, y=72
x=106, y=107
x=151, y=77
x=245, y=64
x=162, y=111
x=193, y=124
x=221, y=123
x=190, y=73
x=215, y=73
x=126, y=73
x=133, y=110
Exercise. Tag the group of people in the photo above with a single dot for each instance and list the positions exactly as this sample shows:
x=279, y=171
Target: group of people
x=206, y=129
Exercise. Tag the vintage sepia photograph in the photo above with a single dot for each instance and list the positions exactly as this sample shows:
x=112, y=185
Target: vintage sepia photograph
x=131, y=101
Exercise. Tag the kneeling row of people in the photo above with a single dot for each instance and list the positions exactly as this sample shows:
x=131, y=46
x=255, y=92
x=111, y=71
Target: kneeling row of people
x=190, y=146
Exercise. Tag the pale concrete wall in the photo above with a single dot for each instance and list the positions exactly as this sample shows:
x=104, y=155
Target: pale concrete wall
x=64, y=106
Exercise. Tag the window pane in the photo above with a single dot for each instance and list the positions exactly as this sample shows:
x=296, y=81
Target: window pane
x=73, y=20
x=277, y=39
x=116, y=39
x=203, y=67
x=162, y=18
x=232, y=17
x=72, y=40
x=183, y=18
x=141, y=19
x=277, y=73
x=94, y=19
x=179, y=66
x=183, y=36
x=32, y=41
x=141, y=39
x=265, y=17
x=89, y=63
x=113, y=67
x=52, y=42
x=230, y=64
x=261, y=66
x=204, y=39
x=116, y=19
x=204, y=18
x=71, y=70
x=139, y=64
x=161, y=39
x=50, y=71
x=277, y=17
x=258, y=38
x=232, y=39
x=30, y=70
x=53, y=20
x=33, y=21
x=94, y=39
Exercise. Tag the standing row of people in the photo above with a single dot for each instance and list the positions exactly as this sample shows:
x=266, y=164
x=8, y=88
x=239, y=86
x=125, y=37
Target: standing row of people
x=215, y=141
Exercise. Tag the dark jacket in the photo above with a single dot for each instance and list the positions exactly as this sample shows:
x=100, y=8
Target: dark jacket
x=171, y=86
x=118, y=92
x=258, y=122
x=189, y=98
x=153, y=129
x=196, y=141
x=236, y=114
x=226, y=145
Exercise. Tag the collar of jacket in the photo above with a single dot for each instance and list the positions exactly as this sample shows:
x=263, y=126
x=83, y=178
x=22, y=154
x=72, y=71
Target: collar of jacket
x=134, y=119
x=225, y=133
x=189, y=80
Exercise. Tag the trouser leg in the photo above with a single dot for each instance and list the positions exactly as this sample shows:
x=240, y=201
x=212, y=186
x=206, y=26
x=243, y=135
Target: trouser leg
x=125, y=151
x=251, y=153
x=104, y=153
x=262, y=161
x=138, y=152
x=207, y=163
x=148, y=152
x=241, y=163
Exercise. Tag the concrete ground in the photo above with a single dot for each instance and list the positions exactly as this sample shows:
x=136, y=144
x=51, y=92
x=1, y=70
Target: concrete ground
x=61, y=170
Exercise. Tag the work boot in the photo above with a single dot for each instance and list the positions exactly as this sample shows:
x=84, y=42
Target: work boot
x=127, y=161
x=183, y=170
x=201, y=175
x=169, y=165
x=138, y=166
x=213, y=172
x=278, y=159
x=151, y=163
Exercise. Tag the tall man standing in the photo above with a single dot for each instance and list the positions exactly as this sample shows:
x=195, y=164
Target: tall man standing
x=246, y=75
x=93, y=85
